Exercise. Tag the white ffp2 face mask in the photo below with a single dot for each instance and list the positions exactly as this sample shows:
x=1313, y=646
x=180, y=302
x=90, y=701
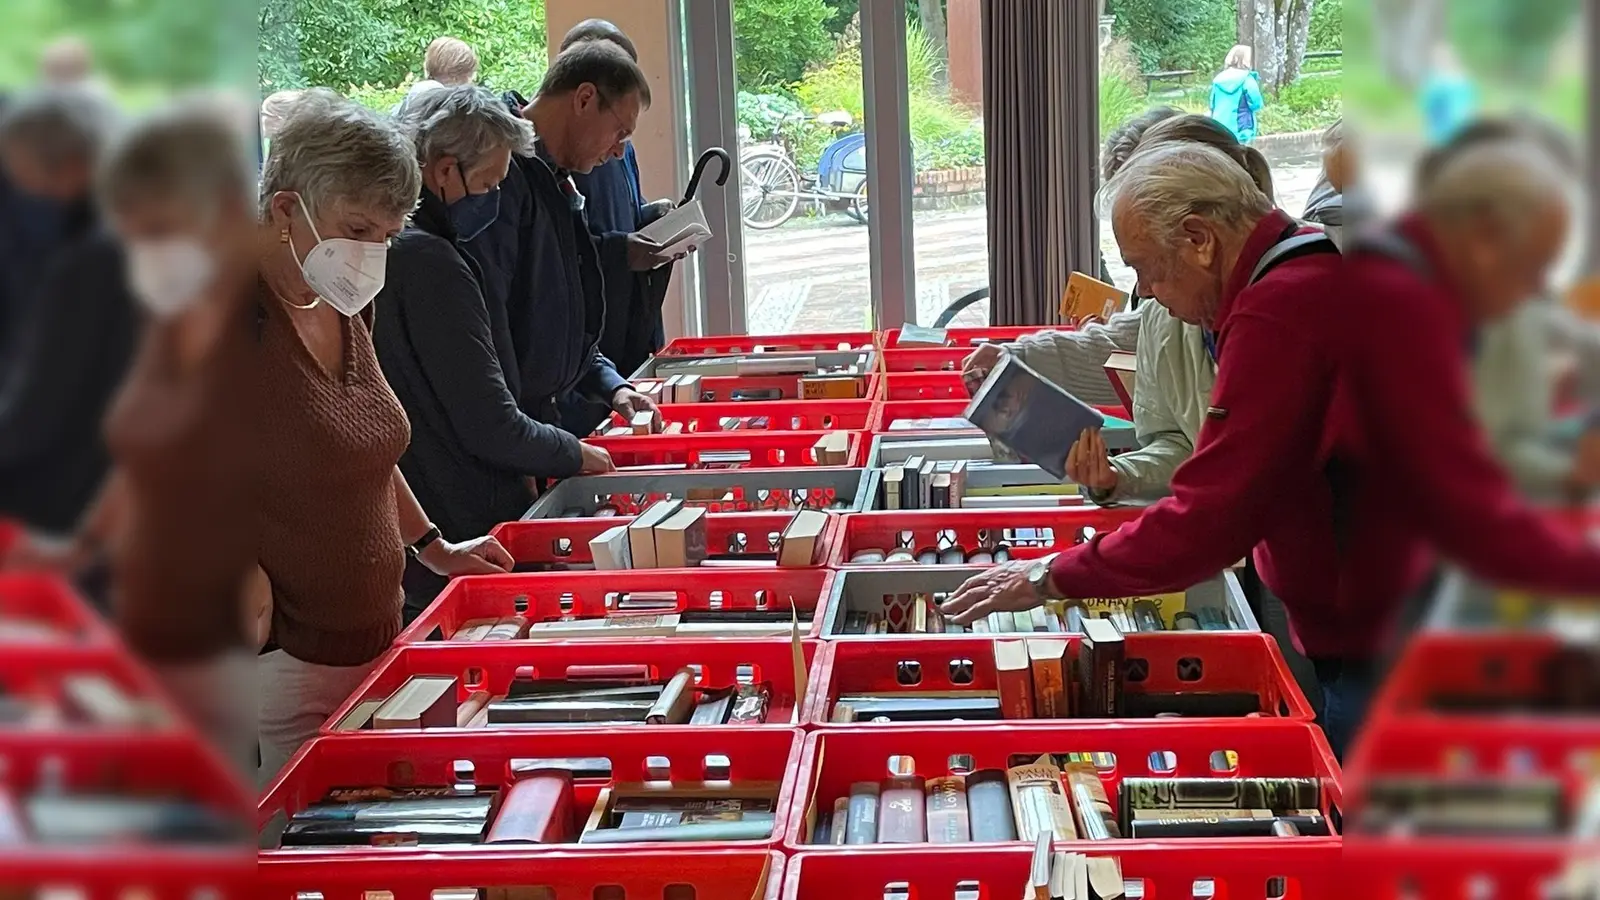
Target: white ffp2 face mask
x=345, y=273
x=169, y=276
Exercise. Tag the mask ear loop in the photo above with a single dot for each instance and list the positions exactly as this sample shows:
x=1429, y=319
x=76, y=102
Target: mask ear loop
x=283, y=238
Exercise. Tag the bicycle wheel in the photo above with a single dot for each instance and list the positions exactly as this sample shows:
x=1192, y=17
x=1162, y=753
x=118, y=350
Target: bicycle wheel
x=858, y=205
x=769, y=190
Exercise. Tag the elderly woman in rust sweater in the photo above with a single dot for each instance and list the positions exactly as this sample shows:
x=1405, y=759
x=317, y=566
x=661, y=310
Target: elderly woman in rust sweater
x=336, y=516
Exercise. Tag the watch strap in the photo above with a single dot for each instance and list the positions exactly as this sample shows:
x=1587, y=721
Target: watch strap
x=423, y=543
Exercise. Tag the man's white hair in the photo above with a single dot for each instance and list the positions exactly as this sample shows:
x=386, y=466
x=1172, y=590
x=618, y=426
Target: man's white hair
x=1512, y=181
x=1164, y=184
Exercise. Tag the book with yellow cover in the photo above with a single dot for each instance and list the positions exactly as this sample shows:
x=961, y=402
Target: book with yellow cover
x=1167, y=606
x=1089, y=298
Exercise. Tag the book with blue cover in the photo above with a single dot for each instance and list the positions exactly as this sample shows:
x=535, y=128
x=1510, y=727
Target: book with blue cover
x=1033, y=416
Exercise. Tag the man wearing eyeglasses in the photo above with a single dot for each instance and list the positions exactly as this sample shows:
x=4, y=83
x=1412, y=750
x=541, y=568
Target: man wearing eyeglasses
x=542, y=281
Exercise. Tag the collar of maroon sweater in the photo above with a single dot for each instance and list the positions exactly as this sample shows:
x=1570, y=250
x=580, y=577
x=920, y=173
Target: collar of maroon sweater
x=1419, y=234
x=1266, y=235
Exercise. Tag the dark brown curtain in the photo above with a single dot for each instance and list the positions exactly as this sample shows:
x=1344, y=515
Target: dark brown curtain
x=1041, y=124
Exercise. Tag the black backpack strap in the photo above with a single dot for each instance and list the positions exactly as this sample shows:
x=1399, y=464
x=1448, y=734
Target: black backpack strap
x=1292, y=248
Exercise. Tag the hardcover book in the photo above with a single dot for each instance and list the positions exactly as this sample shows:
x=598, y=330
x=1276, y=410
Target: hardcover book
x=1028, y=413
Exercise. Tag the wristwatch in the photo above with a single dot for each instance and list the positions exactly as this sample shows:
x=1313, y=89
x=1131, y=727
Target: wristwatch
x=1039, y=578
x=424, y=542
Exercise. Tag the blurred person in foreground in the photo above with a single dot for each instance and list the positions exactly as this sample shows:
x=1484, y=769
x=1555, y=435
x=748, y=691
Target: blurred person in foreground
x=1236, y=94
x=448, y=62
x=541, y=268
x=336, y=515
x=73, y=325
x=636, y=279
x=1195, y=227
x=472, y=448
x=173, y=516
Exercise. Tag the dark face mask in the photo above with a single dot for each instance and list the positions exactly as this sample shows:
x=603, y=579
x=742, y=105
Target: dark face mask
x=474, y=213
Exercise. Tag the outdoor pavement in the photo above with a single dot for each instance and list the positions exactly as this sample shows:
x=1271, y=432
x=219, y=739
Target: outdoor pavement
x=813, y=275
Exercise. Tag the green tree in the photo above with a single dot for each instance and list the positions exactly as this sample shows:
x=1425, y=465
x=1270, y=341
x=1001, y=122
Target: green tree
x=776, y=41
x=1177, y=34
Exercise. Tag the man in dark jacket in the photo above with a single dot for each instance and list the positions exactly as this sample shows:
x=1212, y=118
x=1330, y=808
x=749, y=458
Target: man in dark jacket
x=616, y=209
x=73, y=324
x=541, y=269
x=472, y=449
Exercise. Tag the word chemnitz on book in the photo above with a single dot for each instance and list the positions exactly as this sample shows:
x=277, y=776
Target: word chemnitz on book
x=1060, y=797
x=539, y=805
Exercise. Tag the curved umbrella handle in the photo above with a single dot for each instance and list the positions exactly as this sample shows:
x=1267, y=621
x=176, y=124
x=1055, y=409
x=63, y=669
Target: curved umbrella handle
x=700, y=169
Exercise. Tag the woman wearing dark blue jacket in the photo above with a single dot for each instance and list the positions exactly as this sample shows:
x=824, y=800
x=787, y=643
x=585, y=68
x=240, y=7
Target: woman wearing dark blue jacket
x=473, y=450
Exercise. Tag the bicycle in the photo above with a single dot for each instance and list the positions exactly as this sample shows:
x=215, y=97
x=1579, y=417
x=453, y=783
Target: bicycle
x=772, y=186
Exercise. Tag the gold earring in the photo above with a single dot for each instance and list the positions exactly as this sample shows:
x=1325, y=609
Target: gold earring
x=283, y=236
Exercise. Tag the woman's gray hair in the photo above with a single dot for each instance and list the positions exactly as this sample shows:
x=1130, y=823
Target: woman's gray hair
x=193, y=149
x=331, y=149
x=466, y=122
x=1513, y=180
x=1163, y=184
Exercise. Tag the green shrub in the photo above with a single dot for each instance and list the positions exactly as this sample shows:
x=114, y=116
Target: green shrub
x=1327, y=25
x=1120, y=101
x=1177, y=34
x=775, y=41
x=379, y=99
x=1309, y=104
x=766, y=115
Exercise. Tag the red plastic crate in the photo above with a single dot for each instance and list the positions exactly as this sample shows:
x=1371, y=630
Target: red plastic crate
x=568, y=875
x=926, y=359
x=924, y=386
x=491, y=666
x=49, y=600
x=175, y=765
x=481, y=596
x=782, y=415
x=861, y=531
x=10, y=532
x=720, y=388
x=1166, y=872
x=1495, y=667
x=836, y=758
x=736, y=344
x=767, y=449
x=890, y=411
x=535, y=541
x=751, y=754
x=1173, y=662
x=963, y=337
x=1397, y=746
x=38, y=672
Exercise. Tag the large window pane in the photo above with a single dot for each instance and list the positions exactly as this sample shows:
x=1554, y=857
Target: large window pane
x=803, y=160
x=1156, y=53
x=944, y=64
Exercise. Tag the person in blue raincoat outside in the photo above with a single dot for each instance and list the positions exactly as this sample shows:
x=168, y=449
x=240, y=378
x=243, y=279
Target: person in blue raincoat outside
x=1236, y=94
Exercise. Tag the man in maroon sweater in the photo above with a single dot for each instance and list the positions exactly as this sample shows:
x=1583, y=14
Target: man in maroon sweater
x=1288, y=460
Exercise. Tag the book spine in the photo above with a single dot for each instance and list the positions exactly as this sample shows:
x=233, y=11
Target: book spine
x=840, y=822
x=1048, y=659
x=947, y=810
x=535, y=810
x=989, y=807
x=1165, y=826
x=1102, y=678
x=1096, y=819
x=1039, y=803
x=1014, y=682
x=902, y=813
x=862, y=827
x=676, y=702
x=470, y=707
x=1218, y=793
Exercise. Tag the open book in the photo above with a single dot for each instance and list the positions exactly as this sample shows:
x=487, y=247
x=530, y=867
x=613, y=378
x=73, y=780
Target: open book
x=1020, y=408
x=678, y=229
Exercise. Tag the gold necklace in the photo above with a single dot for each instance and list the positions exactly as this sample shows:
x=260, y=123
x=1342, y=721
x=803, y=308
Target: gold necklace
x=291, y=304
